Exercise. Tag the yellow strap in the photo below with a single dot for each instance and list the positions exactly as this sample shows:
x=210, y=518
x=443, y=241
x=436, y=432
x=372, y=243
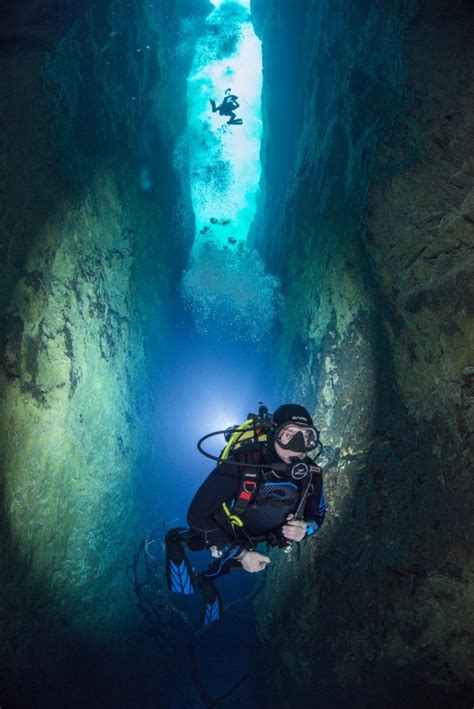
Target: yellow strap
x=233, y=519
x=234, y=438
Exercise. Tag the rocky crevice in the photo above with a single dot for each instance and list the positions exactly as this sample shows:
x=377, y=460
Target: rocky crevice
x=84, y=310
x=376, y=339
x=366, y=214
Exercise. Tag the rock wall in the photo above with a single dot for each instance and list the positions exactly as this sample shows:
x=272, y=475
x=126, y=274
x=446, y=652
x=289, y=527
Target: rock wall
x=367, y=196
x=86, y=282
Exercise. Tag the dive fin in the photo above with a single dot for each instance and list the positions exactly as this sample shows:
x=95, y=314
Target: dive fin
x=180, y=578
x=179, y=573
x=212, y=606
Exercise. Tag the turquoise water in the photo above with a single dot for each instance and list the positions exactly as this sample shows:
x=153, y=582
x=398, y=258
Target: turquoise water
x=225, y=282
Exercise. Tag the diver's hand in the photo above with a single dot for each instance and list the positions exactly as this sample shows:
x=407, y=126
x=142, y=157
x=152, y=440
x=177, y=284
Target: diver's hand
x=254, y=562
x=294, y=530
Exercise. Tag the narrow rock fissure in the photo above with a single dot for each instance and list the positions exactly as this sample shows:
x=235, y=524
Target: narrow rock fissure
x=205, y=206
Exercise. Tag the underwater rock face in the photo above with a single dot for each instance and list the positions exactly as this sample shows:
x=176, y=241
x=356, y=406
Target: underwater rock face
x=73, y=402
x=422, y=222
x=369, y=200
x=366, y=216
x=86, y=279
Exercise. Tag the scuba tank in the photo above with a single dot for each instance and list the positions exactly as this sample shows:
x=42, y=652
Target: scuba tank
x=255, y=431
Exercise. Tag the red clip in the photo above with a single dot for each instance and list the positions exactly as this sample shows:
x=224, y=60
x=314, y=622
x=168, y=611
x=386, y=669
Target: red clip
x=245, y=495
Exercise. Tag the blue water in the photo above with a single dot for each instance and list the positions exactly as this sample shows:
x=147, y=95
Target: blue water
x=209, y=384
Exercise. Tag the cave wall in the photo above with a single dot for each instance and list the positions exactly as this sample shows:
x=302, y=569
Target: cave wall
x=368, y=199
x=86, y=282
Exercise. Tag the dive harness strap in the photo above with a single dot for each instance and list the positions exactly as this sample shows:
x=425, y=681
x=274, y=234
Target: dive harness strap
x=248, y=488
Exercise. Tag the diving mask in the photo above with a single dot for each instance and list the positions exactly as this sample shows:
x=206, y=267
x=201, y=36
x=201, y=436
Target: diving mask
x=301, y=441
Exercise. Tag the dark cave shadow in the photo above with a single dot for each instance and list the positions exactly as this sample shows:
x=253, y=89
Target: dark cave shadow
x=381, y=553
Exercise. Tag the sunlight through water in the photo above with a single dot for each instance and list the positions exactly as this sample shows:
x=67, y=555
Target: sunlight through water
x=225, y=282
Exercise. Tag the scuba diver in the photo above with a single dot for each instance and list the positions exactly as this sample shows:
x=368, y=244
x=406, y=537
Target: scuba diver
x=264, y=489
x=227, y=108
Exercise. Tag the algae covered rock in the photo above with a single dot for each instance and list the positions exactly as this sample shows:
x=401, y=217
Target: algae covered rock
x=372, y=239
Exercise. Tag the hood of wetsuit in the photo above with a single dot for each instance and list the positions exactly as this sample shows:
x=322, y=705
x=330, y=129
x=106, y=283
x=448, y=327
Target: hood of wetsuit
x=298, y=416
x=292, y=413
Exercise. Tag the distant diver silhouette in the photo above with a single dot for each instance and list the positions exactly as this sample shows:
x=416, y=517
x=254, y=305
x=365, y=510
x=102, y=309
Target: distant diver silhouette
x=227, y=108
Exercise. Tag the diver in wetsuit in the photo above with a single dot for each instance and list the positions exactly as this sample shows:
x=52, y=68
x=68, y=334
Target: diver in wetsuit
x=269, y=499
x=227, y=108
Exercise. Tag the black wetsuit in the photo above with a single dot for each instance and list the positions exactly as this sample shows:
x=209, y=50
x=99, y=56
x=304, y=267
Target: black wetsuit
x=227, y=108
x=277, y=496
